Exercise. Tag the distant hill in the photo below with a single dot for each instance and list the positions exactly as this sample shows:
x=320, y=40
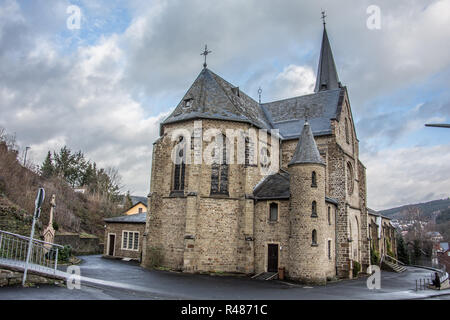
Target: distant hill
x=437, y=211
x=426, y=210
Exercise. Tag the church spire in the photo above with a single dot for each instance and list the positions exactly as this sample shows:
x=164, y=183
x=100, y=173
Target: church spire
x=327, y=77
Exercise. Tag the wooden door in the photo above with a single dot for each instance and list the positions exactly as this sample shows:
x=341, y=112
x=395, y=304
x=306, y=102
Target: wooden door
x=272, y=258
x=112, y=243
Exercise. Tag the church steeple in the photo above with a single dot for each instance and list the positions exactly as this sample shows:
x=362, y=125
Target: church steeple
x=327, y=77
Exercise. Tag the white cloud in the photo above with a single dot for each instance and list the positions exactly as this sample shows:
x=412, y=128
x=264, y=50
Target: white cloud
x=98, y=98
x=397, y=177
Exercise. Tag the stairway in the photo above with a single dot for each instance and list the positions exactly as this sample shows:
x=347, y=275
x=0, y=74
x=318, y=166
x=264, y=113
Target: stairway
x=393, y=267
x=266, y=276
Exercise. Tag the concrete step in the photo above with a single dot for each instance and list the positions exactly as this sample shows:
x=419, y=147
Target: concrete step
x=266, y=276
x=393, y=267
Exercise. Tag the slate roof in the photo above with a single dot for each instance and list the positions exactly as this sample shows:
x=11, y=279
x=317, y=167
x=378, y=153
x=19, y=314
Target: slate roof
x=327, y=77
x=136, y=199
x=132, y=218
x=375, y=213
x=288, y=115
x=277, y=186
x=306, y=150
x=212, y=97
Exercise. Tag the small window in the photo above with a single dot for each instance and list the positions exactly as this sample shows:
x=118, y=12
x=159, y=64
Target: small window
x=314, y=209
x=313, y=179
x=329, y=249
x=273, y=215
x=329, y=215
x=314, y=237
x=140, y=210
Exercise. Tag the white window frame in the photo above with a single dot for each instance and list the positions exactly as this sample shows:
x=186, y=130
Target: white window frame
x=128, y=241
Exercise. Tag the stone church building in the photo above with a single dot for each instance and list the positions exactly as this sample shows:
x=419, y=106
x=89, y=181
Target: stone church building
x=309, y=216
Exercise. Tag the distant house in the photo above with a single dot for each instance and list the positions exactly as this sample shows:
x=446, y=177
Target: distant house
x=139, y=205
x=434, y=236
x=381, y=233
x=443, y=246
x=444, y=258
x=123, y=236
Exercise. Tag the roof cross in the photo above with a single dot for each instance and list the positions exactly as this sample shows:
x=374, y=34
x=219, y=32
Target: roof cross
x=205, y=53
x=323, y=18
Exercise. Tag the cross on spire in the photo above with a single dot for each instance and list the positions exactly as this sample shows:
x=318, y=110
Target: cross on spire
x=323, y=18
x=205, y=53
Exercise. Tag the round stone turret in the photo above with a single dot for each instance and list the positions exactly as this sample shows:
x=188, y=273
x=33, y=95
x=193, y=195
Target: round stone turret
x=307, y=243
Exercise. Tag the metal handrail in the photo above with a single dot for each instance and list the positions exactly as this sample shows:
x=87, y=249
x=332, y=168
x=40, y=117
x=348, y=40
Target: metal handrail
x=34, y=240
x=393, y=259
x=14, y=248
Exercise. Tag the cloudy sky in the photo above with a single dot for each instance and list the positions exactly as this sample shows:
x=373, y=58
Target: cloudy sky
x=104, y=88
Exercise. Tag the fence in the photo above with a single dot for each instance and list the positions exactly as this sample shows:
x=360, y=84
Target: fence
x=14, y=247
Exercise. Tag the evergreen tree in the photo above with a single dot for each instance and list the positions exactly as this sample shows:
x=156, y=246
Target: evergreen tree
x=47, y=168
x=402, y=251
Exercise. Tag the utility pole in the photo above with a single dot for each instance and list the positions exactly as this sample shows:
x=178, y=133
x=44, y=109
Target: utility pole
x=37, y=212
x=25, y=158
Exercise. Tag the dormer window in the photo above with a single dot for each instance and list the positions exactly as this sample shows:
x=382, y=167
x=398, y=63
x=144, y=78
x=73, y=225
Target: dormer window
x=236, y=91
x=188, y=102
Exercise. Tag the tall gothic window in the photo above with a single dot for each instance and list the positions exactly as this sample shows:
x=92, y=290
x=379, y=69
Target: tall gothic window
x=180, y=166
x=347, y=135
x=329, y=249
x=313, y=179
x=219, y=170
x=329, y=215
x=350, y=178
x=314, y=237
x=314, y=209
x=247, y=151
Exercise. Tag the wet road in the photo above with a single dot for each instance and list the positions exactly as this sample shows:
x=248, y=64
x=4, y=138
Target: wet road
x=127, y=280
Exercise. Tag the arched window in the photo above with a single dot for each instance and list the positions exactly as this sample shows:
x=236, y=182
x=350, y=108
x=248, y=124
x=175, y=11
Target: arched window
x=273, y=214
x=219, y=170
x=314, y=237
x=329, y=215
x=247, y=151
x=329, y=249
x=180, y=166
x=192, y=141
x=313, y=179
x=314, y=209
x=350, y=178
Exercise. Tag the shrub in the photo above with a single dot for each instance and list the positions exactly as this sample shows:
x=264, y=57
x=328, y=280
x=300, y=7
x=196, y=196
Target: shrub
x=356, y=268
x=154, y=257
x=374, y=257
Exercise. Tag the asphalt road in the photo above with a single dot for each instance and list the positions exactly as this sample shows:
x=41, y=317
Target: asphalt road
x=113, y=279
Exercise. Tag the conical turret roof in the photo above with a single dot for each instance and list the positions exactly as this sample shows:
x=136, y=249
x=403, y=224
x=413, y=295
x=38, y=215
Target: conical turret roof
x=306, y=150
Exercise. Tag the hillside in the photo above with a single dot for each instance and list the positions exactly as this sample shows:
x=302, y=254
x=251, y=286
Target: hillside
x=435, y=213
x=75, y=212
x=426, y=210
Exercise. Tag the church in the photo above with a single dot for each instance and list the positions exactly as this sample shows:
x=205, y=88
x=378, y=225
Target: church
x=307, y=215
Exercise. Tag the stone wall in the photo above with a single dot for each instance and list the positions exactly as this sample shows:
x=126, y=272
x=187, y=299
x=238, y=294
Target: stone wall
x=267, y=232
x=81, y=244
x=117, y=229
